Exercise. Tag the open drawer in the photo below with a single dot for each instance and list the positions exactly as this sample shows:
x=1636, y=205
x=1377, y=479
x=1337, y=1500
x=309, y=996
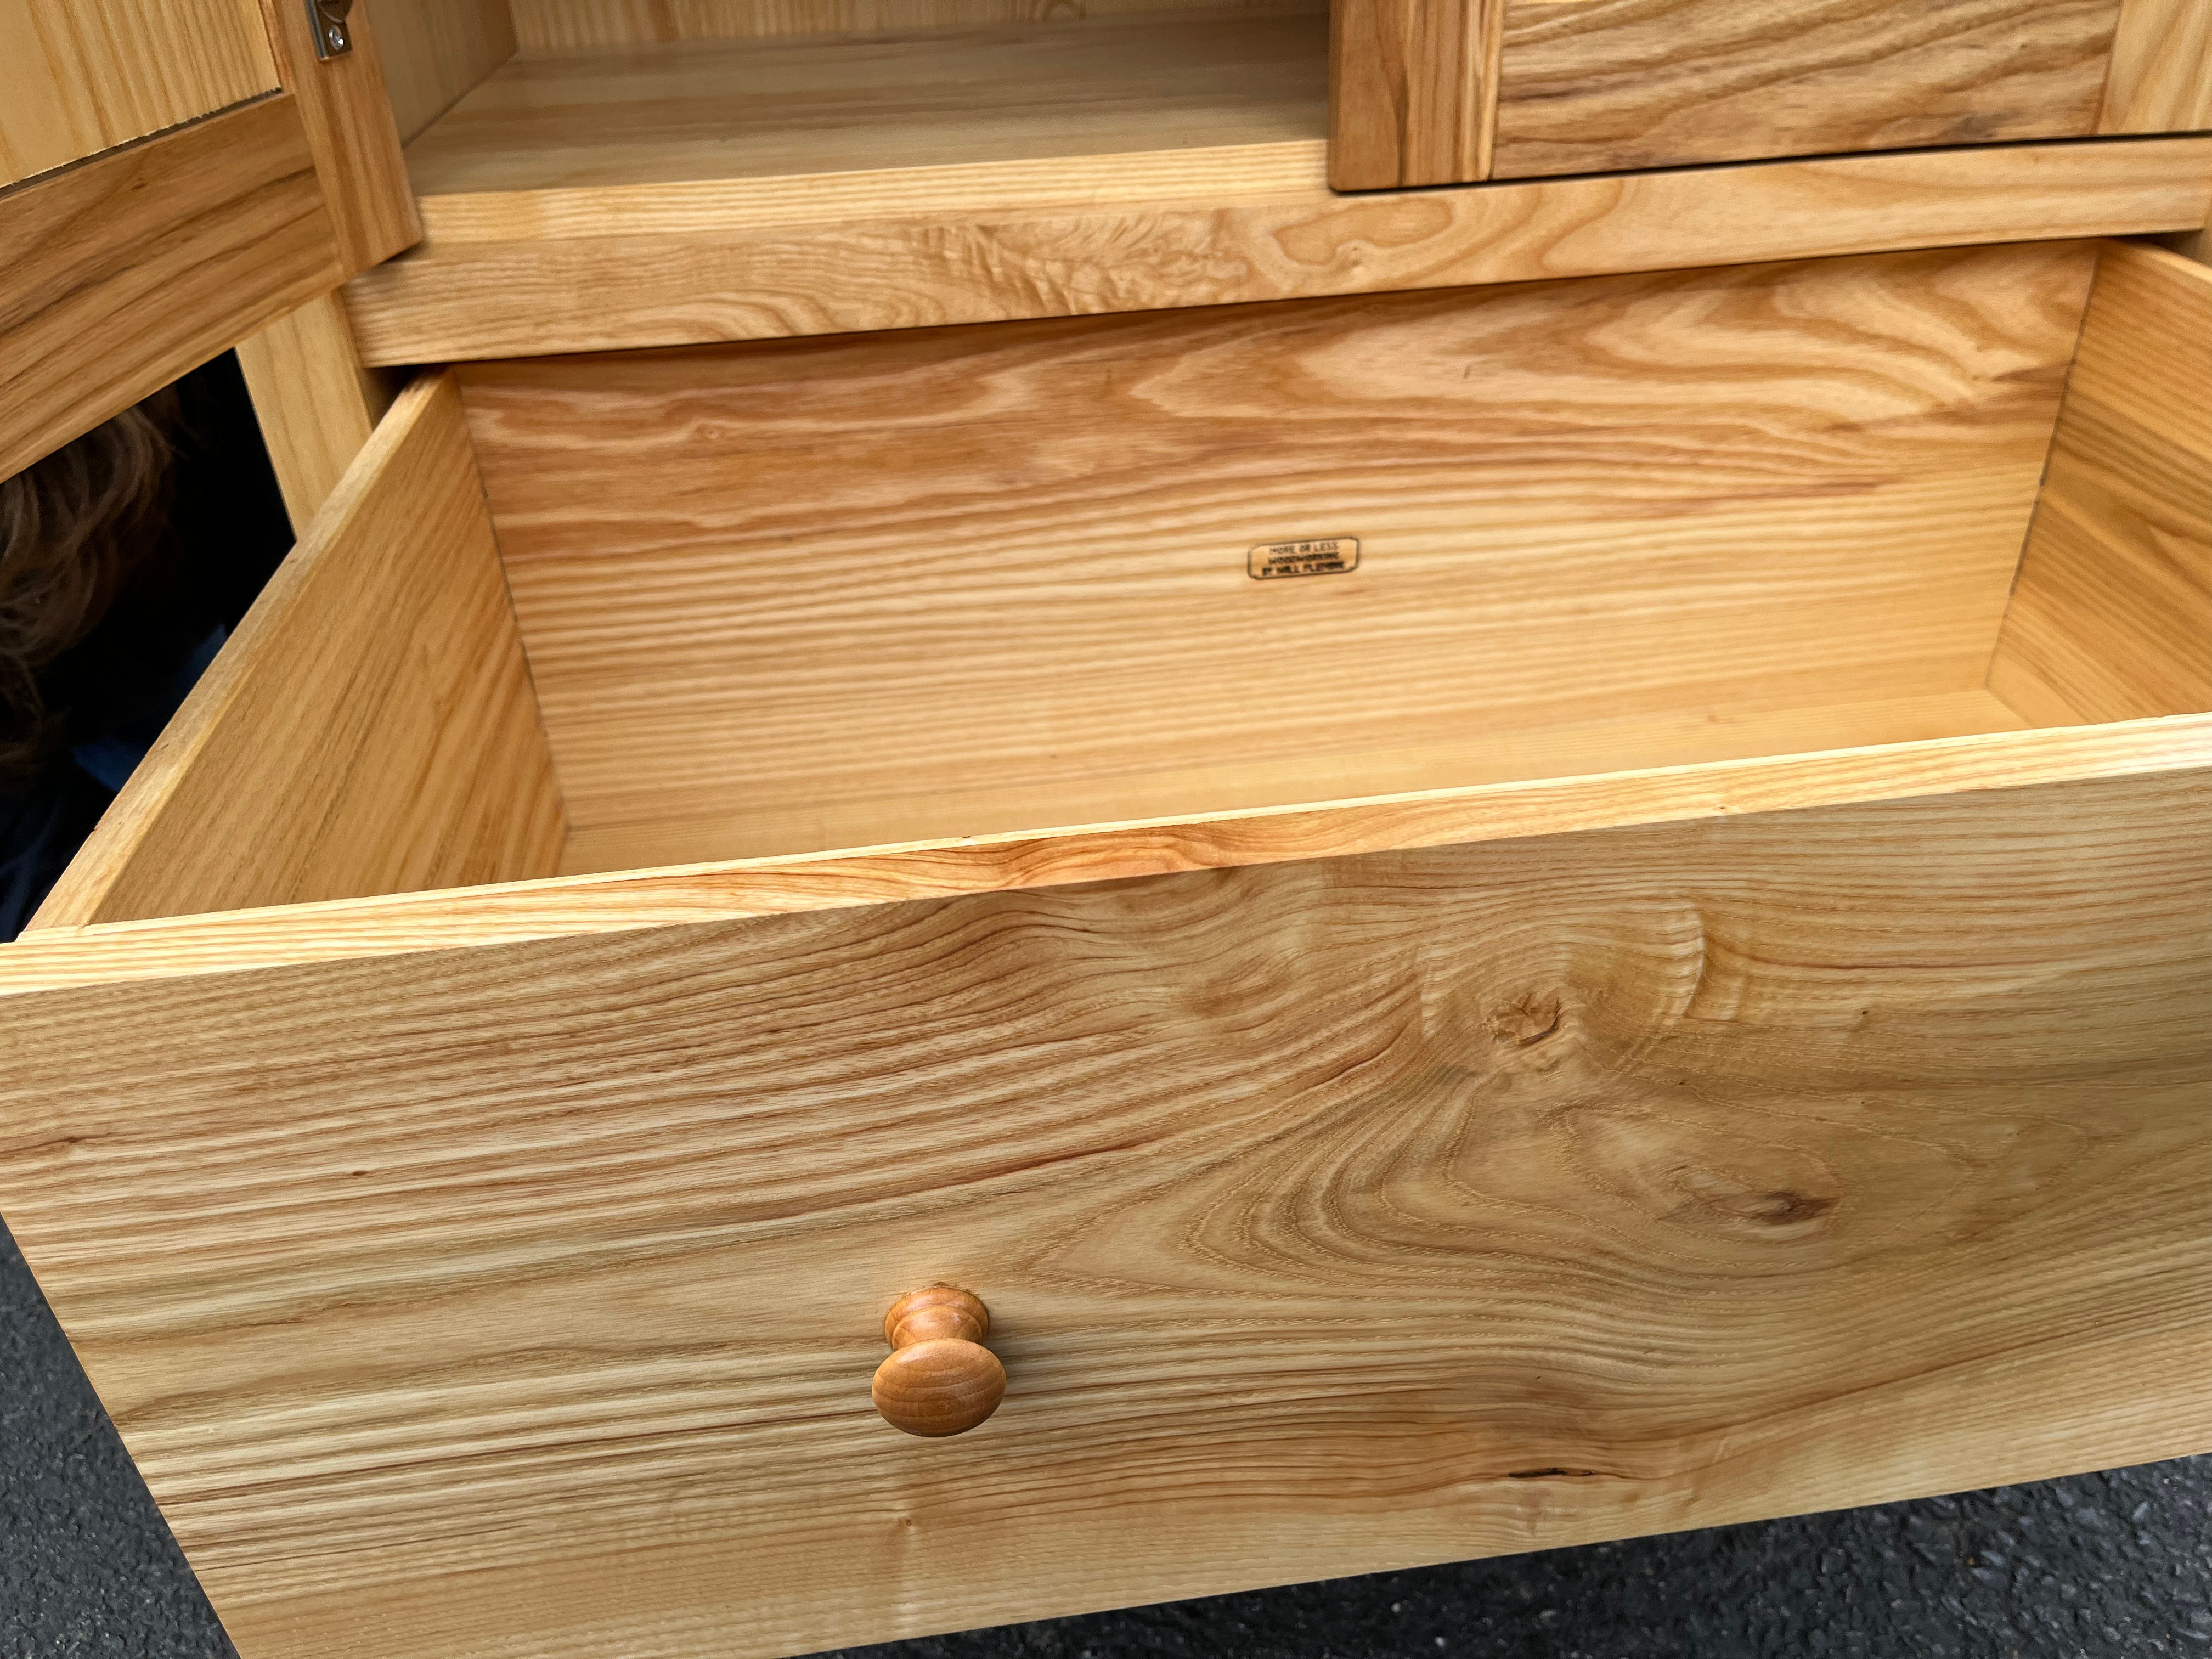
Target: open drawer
x=1484, y=919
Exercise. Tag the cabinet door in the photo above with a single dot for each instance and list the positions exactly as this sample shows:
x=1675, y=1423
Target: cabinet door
x=1433, y=92
x=174, y=173
x=86, y=76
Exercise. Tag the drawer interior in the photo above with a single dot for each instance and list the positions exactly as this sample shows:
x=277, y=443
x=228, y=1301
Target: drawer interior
x=781, y=599
x=785, y=598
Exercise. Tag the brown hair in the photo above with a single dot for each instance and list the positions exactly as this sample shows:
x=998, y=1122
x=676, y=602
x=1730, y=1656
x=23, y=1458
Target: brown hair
x=73, y=529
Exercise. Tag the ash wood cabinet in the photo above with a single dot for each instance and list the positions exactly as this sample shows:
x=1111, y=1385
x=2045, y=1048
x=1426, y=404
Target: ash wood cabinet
x=1493, y=867
x=1483, y=918
x=1435, y=92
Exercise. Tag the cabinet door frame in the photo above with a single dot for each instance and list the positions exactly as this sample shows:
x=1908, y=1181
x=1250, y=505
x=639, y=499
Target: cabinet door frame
x=135, y=263
x=1415, y=90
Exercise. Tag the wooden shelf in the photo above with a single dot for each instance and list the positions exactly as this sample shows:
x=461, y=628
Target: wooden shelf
x=952, y=120
x=607, y=199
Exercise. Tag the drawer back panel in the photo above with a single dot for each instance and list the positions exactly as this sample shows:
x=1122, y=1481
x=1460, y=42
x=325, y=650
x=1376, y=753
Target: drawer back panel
x=774, y=595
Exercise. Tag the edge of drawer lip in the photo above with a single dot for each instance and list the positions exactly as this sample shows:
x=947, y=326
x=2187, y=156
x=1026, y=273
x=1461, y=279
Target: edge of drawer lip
x=558, y=907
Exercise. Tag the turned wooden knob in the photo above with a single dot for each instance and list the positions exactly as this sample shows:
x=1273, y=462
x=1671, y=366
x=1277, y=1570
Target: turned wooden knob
x=940, y=1379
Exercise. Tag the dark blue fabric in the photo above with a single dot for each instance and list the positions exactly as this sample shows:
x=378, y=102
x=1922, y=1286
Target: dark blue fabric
x=42, y=828
x=39, y=833
x=111, y=758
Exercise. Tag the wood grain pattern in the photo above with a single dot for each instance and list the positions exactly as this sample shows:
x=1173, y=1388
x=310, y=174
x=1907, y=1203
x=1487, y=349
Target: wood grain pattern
x=1589, y=86
x=799, y=109
x=315, y=403
x=1413, y=92
x=79, y=77
x=145, y=261
x=350, y=131
x=2162, y=71
x=370, y=725
x=671, y=270
x=2112, y=616
x=1614, y=499
x=434, y=51
x=404, y=923
x=567, y=24
x=1334, y=1217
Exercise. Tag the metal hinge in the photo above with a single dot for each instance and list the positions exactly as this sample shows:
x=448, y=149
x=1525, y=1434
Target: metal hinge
x=333, y=37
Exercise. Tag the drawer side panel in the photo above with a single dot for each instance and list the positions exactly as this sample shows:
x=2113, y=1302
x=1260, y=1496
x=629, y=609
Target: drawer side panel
x=369, y=728
x=2111, y=618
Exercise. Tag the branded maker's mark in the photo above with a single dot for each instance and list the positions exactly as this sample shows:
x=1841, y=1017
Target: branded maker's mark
x=1324, y=556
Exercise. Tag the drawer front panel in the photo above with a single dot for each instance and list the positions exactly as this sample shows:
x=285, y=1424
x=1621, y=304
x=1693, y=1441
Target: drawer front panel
x=1332, y=1216
x=1596, y=86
